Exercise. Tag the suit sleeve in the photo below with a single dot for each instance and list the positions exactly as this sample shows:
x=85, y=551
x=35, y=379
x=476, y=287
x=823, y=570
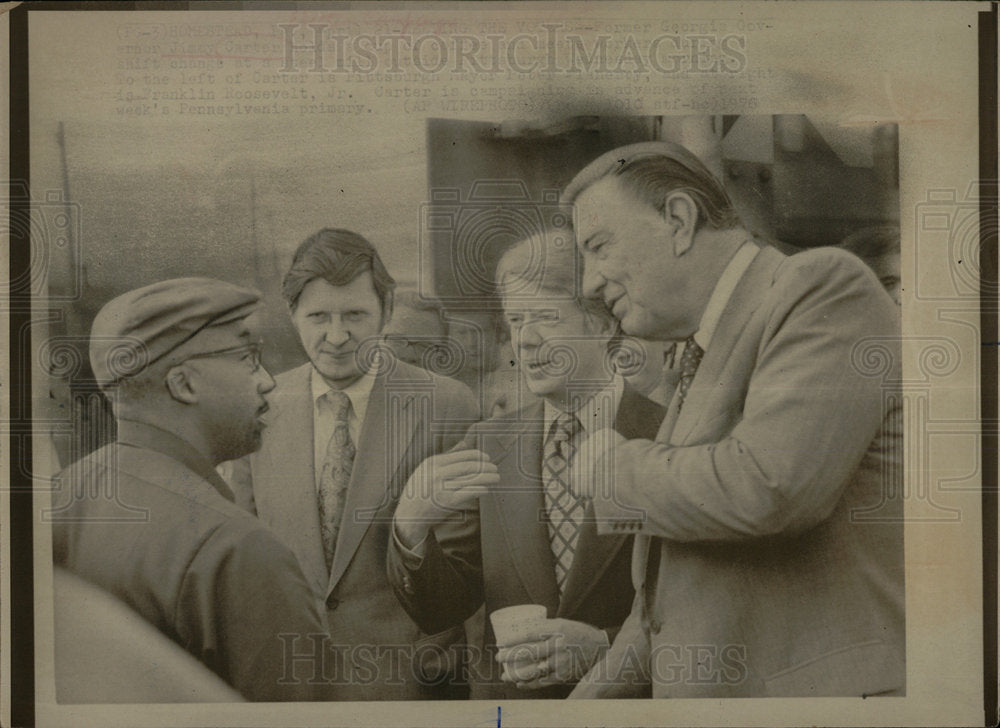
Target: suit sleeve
x=808, y=416
x=246, y=609
x=445, y=586
x=459, y=412
x=623, y=672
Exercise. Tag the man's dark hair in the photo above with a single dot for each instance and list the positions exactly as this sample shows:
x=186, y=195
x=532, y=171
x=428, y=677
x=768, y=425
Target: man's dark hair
x=651, y=177
x=337, y=256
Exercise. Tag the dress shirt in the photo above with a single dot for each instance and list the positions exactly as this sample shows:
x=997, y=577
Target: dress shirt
x=597, y=412
x=357, y=392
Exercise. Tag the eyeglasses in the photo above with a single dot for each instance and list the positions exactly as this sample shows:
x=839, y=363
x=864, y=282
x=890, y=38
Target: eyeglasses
x=253, y=351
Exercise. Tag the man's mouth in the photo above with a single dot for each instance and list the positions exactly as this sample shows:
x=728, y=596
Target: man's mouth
x=338, y=355
x=537, y=366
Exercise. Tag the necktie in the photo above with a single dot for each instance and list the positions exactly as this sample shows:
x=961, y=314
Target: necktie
x=564, y=508
x=336, y=474
x=690, y=360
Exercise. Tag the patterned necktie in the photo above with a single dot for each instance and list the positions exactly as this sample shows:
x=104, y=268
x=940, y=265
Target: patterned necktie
x=564, y=508
x=690, y=360
x=336, y=474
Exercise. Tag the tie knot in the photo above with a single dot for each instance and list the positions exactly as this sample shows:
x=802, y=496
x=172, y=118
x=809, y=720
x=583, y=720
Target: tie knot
x=340, y=404
x=565, y=427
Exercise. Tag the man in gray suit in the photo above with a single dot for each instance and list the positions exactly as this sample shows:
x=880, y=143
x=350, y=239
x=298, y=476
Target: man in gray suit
x=768, y=510
x=345, y=431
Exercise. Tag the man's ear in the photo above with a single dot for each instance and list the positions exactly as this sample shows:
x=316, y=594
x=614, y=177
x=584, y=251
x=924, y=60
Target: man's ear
x=680, y=213
x=180, y=386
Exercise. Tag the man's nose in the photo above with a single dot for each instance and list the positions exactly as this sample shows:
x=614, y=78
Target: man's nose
x=528, y=336
x=266, y=381
x=337, y=333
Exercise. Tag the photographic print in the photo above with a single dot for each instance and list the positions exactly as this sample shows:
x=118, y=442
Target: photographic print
x=499, y=363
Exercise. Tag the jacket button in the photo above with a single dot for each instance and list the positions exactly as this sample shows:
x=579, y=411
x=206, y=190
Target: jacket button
x=332, y=603
x=655, y=626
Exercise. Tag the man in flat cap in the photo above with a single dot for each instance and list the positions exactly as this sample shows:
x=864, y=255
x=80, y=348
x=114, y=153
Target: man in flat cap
x=346, y=430
x=148, y=519
x=768, y=513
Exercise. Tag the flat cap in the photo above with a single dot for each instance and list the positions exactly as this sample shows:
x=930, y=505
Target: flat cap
x=621, y=156
x=143, y=326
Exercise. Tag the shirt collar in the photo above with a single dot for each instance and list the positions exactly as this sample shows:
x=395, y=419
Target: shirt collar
x=596, y=413
x=150, y=437
x=723, y=291
x=357, y=391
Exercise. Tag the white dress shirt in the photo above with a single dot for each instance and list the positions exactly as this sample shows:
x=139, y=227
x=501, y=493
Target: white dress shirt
x=324, y=422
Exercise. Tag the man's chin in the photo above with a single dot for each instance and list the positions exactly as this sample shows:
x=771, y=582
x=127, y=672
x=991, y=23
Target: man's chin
x=636, y=323
x=541, y=387
x=339, y=376
x=248, y=447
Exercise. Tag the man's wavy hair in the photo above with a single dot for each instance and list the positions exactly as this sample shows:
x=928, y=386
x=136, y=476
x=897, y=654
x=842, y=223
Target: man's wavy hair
x=651, y=170
x=337, y=256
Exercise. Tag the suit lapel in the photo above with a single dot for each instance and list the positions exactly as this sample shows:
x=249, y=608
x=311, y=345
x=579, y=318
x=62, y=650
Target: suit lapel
x=386, y=435
x=594, y=554
x=708, y=381
x=638, y=417
x=521, y=506
x=287, y=471
x=672, y=378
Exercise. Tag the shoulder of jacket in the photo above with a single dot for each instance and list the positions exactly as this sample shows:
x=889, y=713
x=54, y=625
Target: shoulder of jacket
x=824, y=262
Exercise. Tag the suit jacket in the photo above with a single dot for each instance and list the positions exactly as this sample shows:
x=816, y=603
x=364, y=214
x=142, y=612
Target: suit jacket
x=768, y=513
x=500, y=554
x=411, y=415
x=148, y=520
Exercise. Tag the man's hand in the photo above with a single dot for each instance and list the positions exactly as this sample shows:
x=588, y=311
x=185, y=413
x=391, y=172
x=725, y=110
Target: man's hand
x=559, y=651
x=439, y=487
